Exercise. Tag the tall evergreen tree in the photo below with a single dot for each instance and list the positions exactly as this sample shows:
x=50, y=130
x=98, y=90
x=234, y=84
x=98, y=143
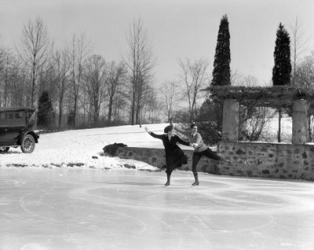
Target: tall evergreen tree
x=221, y=76
x=45, y=111
x=282, y=67
x=221, y=71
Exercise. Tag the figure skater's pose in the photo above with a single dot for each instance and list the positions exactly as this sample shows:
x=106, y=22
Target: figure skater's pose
x=175, y=157
x=200, y=149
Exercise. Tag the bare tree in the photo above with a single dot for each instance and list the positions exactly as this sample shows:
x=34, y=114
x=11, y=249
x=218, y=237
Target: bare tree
x=116, y=76
x=95, y=79
x=169, y=91
x=140, y=64
x=61, y=62
x=250, y=81
x=35, y=44
x=5, y=66
x=121, y=102
x=298, y=47
x=79, y=52
x=252, y=117
x=14, y=87
x=193, y=75
x=151, y=110
x=304, y=77
x=238, y=79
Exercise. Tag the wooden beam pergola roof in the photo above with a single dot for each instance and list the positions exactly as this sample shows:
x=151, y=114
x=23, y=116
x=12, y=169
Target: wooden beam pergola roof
x=274, y=96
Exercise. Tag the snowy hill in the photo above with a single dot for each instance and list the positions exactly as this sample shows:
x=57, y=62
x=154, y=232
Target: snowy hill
x=77, y=147
x=83, y=147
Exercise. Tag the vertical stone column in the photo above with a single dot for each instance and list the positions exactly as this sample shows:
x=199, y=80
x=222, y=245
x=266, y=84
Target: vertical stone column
x=230, y=122
x=300, y=131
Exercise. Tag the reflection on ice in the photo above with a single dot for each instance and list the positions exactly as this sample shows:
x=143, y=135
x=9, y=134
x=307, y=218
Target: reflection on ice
x=97, y=209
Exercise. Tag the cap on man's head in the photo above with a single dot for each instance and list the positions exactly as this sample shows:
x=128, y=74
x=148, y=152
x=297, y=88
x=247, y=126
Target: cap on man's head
x=193, y=125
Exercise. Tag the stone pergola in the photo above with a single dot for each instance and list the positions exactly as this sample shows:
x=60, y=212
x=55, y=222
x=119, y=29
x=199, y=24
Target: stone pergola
x=297, y=99
x=251, y=159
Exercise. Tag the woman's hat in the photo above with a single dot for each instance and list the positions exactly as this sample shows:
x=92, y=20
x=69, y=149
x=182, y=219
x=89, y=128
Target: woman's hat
x=168, y=128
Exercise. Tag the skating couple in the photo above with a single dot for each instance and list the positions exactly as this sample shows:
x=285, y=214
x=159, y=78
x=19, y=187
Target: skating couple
x=175, y=157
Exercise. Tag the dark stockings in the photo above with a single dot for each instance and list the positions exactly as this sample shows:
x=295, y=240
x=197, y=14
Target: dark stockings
x=196, y=158
x=168, y=177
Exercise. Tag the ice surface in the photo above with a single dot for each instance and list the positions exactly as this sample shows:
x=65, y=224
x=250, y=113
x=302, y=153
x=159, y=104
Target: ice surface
x=66, y=208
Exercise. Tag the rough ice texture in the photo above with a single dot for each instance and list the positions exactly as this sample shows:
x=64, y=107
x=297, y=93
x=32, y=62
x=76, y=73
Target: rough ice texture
x=285, y=161
x=156, y=157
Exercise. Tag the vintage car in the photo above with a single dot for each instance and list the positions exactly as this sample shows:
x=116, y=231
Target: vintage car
x=16, y=129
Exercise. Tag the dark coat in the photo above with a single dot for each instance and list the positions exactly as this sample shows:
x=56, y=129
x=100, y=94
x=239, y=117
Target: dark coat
x=175, y=157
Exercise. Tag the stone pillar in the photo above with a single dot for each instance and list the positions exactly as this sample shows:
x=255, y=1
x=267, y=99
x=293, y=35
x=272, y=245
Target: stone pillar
x=230, y=122
x=300, y=131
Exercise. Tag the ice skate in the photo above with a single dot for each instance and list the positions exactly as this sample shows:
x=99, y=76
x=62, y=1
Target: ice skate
x=196, y=182
x=168, y=180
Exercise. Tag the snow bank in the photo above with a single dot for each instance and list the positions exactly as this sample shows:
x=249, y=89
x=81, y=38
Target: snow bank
x=83, y=148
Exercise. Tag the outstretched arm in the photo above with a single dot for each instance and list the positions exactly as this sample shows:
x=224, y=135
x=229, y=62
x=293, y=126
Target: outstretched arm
x=153, y=134
x=183, y=142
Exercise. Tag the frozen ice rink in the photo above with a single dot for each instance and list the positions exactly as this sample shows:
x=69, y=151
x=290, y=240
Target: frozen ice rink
x=42, y=208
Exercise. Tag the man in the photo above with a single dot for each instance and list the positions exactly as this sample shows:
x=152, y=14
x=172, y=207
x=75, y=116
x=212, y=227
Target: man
x=200, y=149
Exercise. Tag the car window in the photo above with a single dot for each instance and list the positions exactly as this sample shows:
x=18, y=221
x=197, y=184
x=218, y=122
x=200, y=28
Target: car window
x=18, y=115
x=2, y=119
x=12, y=119
x=10, y=116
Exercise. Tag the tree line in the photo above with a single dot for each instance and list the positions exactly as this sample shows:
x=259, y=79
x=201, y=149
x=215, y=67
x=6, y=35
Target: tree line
x=73, y=87
x=300, y=73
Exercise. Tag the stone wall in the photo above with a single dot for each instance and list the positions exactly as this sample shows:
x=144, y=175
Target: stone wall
x=270, y=160
x=156, y=157
x=287, y=161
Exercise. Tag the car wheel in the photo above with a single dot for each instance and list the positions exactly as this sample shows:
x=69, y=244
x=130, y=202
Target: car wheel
x=28, y=144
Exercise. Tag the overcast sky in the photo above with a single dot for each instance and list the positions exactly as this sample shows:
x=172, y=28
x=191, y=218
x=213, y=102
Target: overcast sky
x=176, y=28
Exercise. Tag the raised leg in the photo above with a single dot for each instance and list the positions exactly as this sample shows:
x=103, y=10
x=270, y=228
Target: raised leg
x=210, y=154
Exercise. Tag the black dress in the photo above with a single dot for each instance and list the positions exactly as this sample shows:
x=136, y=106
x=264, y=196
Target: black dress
x=175, y=157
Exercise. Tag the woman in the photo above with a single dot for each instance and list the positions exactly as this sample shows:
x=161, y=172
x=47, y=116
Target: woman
x=175, y=157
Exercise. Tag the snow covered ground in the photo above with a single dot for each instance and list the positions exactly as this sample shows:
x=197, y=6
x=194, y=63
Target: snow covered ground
x=79, y=147
x=83, y=148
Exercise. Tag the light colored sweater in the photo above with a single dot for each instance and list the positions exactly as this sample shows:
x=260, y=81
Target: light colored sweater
x=197, y=138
